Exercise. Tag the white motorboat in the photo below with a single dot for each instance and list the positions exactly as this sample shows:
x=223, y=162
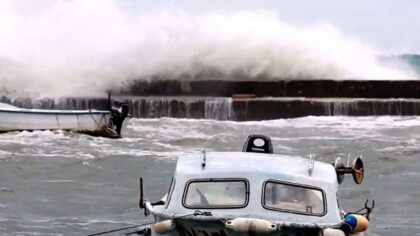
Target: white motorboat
x=254, y=192
x=94, y=122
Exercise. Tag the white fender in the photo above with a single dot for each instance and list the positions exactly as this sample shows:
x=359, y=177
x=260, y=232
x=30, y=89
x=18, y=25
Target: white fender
x=332, y=232
x=244, y=225
x=164, y=226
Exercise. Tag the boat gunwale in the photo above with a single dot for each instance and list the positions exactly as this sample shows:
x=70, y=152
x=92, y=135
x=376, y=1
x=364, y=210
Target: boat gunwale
x=163, y=214
x=55, y=112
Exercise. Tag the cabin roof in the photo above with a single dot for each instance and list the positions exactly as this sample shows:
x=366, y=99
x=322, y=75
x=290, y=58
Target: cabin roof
x=246, y=165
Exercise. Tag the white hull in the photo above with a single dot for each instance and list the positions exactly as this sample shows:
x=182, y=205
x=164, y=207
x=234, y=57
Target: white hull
x=33, y=119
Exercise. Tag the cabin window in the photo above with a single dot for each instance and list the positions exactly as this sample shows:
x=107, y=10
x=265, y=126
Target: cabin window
x=216, y=193
x=294, y=198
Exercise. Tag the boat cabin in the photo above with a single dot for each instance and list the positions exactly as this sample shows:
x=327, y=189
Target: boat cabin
x=253, y=191
x=255, y=185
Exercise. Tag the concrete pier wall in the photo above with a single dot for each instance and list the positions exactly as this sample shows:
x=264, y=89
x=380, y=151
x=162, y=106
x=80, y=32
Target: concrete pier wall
x=226, y=108
x=265, y=109
x=291, y=88
x=247, y=100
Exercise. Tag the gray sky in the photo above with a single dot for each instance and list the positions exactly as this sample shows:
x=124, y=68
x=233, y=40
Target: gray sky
x=391, y=26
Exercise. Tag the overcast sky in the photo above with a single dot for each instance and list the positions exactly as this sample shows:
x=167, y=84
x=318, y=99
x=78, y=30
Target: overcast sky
x=392, y=26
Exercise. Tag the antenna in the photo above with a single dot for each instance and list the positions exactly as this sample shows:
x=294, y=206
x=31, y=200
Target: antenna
x=203, y=162
x=109, y=103
x=311, y=164
x=348, y=159
x=141, y=198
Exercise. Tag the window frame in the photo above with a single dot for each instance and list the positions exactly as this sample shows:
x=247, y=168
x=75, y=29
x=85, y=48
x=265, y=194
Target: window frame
x=324, y=198
x=203, y=180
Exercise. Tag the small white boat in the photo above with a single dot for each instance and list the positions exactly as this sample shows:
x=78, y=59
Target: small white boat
x=254, y=192
x=93, y=122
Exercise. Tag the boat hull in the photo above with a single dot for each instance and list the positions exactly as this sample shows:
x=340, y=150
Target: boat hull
x=216, y=228
x=32, y=119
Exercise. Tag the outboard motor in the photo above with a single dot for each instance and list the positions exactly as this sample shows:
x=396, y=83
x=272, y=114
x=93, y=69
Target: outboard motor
x=258, y=143
x=118, y=115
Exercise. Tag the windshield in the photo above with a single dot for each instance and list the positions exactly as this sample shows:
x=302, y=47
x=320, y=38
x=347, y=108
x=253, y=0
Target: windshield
x=212, y=193
x=294, y=198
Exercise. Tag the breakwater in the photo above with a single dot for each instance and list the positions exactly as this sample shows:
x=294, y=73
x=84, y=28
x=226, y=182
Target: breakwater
x=241, y=101
x=233, y=109
x=282, y=88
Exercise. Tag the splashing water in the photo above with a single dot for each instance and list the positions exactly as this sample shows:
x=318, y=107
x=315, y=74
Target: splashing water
x=63, y=183
x=78, y=48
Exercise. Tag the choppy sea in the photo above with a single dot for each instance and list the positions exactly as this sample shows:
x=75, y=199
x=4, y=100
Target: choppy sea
x=64, y=183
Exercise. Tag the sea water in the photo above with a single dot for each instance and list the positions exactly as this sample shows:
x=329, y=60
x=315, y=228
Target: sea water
x=64, y=183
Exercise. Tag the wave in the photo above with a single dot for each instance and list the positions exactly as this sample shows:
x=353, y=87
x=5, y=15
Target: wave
x=80, y=48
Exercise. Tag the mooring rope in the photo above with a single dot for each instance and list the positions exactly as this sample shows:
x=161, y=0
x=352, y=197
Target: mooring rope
x=120, y=229
x=197, y=212
x=96, y=122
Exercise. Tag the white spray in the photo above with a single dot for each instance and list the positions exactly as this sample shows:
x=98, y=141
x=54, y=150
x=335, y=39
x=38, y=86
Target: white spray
x=79, y=48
